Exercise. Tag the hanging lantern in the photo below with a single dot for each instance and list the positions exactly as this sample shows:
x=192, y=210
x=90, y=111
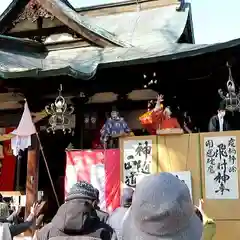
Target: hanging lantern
x=231, y=99
x=60, y=114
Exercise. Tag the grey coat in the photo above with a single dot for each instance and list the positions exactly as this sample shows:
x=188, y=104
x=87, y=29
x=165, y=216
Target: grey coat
x=76, y=219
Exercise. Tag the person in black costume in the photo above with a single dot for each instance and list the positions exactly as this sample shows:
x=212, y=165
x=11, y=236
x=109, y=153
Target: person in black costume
x=218, y=123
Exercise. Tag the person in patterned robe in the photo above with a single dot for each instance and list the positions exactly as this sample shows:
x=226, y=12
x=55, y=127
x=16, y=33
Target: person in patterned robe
x=114, y=127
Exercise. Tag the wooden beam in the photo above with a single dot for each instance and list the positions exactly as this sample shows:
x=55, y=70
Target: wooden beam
x=75, y=43
x=41, y=32
x=124, y=7
x=12, y=194
x=32, y=177
x=78, y=43
x=81, y=24
x=21, y=45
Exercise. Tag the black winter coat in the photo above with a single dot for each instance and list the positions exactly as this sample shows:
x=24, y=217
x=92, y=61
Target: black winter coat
x=76, y=219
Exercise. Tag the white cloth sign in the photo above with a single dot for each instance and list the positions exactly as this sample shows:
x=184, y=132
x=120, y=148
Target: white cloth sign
x=139, y=178
x=221, y=168
x=137, y=155
x=185, y=176
x=20, y=143
x=98, y=181
x=23, y=133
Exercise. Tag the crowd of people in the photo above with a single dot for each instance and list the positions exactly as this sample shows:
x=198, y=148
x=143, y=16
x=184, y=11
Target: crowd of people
x=160, y=208
x=9, y=223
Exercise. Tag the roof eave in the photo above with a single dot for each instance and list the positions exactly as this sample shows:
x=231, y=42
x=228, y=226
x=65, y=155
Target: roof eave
x=10, y=14
x=78, y=23
x=126, y=6
x=20, y=45
x=125, y=3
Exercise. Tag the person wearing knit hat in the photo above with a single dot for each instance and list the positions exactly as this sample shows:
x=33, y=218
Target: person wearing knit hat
x=77, y=217
x=81, y=190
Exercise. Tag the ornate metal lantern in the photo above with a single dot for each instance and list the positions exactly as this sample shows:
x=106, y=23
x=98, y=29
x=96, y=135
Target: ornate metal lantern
x=60, y=114
x=231, y=99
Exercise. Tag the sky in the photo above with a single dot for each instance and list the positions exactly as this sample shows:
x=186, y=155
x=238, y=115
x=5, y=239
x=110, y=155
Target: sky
x=213, y=20
x=4, y=4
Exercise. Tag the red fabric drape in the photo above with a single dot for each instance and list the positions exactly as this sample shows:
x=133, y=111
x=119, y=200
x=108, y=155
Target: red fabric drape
x=7, y=175
x=80, y=166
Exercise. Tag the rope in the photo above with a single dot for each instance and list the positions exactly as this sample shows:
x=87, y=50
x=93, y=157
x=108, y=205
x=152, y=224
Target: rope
x=168, y=154
x=188, y=148
x=199, y=164
x=48, y=171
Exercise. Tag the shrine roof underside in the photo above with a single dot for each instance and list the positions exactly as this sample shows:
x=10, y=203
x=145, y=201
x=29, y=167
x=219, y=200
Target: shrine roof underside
x=129, y=37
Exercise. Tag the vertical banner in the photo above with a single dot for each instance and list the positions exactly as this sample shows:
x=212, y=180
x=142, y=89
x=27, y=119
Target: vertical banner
x=98, y=167
x=221, y=168
x=98, y=180
x=138, y=157
x=185, y=176
x=7, y=164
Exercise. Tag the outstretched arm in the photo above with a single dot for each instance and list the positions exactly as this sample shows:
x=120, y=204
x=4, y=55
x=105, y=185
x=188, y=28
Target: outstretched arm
x=12, y=217
x=22, y=227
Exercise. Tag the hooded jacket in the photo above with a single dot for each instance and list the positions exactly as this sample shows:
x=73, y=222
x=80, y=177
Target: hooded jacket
x=118, y=216
x=76, y=218
x=103, y=216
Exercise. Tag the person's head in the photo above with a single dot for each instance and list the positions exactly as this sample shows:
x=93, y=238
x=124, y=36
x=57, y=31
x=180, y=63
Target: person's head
x=4, y=210
x=162, y=209
x=114, y=113
x=221, y=110
x=127, y=197
x=82, y=190
x=168, y=111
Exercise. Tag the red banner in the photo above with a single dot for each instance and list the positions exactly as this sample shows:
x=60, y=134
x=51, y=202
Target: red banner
x=7, y=164
x=101, y=169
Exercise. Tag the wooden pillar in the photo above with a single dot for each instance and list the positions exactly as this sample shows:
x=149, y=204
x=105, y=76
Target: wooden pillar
x=18, y=172
x=32, y=177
